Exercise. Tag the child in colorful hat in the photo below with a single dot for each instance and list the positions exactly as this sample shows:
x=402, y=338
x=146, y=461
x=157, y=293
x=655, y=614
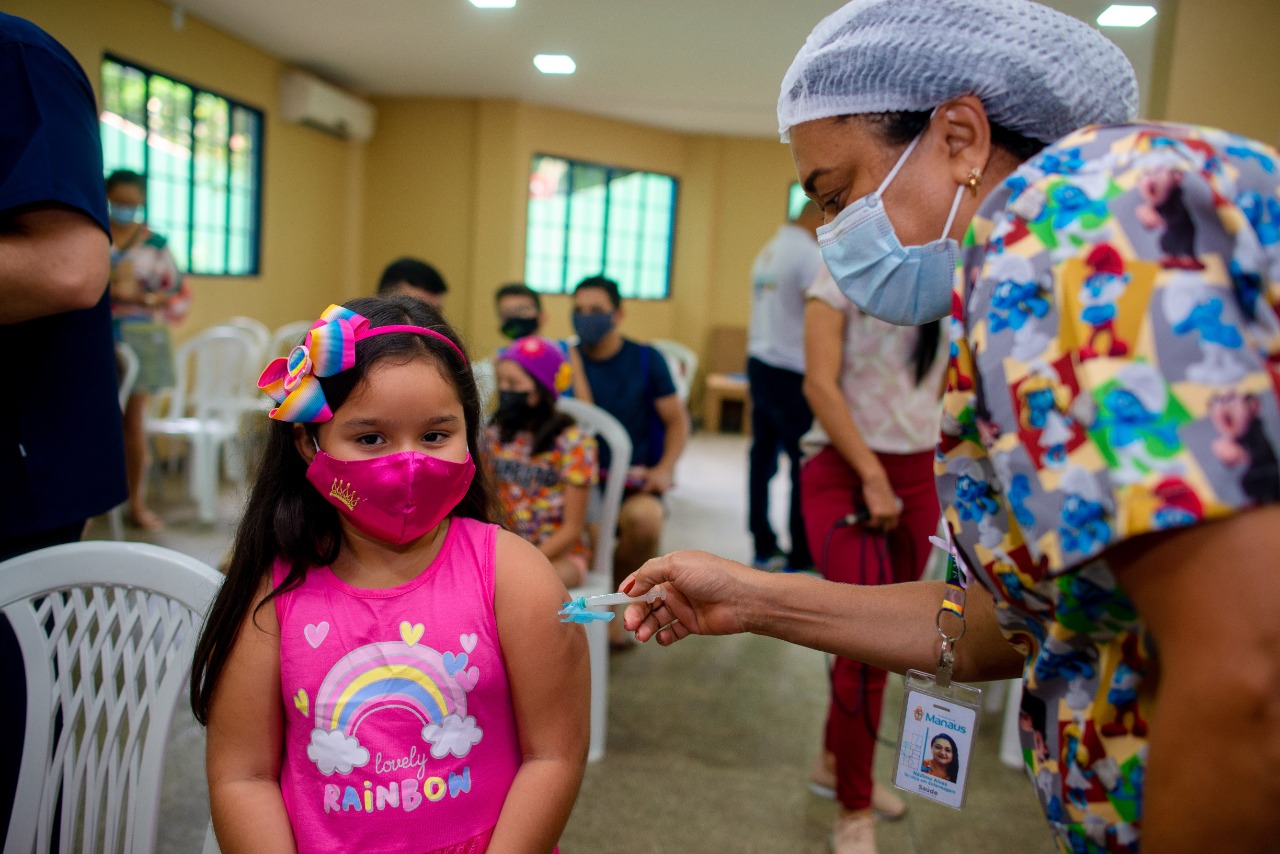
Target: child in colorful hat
x=541, y=462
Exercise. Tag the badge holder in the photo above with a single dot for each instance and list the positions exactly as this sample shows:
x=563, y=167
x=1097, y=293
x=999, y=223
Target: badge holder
x=939, y=716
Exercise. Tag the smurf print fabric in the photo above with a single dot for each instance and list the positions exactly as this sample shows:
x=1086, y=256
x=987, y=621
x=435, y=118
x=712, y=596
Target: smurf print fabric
x=1114, y=370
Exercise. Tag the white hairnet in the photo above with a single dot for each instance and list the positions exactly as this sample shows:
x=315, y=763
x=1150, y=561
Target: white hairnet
x=1037, y=71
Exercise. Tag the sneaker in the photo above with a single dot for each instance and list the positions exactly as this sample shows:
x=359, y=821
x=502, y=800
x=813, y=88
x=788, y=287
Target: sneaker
x=854, y=833
x=772, y=563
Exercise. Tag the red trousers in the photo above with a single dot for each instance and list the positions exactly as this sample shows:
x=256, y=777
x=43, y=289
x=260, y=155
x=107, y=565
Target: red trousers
x=857, y=555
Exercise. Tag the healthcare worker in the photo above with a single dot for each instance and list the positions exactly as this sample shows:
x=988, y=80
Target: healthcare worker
x=1108, y=460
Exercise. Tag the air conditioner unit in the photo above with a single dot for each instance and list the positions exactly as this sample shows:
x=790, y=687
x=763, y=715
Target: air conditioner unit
x=308, y=100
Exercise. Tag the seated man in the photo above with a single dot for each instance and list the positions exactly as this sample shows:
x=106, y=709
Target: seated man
x=416, y=278
x=520, y=314
x=631, y=382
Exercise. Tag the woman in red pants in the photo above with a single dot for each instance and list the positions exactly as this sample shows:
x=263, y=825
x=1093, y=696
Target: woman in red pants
x=870, y=506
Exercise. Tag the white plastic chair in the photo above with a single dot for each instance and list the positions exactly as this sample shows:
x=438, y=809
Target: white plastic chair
x=206, y=404
x=107, y=631
x=285, y=338
x=595, y=421
x=681, y=361
x=486, y=376
x=259, y=330
x=129, y=367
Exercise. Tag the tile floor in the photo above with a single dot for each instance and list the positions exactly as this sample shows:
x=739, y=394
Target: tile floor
x=710, y=741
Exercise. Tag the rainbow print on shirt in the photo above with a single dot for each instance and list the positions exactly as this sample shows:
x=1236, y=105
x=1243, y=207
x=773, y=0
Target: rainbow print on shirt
x=402, y=675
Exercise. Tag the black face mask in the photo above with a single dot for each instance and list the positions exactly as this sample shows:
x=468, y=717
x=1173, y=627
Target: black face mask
x=519, y=327
x=514, y=409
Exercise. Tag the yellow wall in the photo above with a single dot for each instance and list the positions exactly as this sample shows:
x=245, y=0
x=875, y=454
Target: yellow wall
x=447, y=180
x=306, y=175
x=1223, y=68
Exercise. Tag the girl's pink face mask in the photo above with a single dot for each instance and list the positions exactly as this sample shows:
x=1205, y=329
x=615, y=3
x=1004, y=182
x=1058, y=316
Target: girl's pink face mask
x=397, y=498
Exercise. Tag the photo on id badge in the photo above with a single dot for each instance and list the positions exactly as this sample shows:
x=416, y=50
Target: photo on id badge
x=933, y=756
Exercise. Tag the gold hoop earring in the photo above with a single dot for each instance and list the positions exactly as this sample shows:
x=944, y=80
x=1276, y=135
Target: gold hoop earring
x=975, y=179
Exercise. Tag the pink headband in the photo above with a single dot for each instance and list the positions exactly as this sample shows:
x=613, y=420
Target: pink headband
x=328, y=348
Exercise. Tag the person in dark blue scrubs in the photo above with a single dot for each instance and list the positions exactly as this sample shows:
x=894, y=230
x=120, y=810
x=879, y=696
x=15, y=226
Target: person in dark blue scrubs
x=61, y=446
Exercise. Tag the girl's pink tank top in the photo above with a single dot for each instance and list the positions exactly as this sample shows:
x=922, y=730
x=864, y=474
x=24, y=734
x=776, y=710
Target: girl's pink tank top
x=399, y=734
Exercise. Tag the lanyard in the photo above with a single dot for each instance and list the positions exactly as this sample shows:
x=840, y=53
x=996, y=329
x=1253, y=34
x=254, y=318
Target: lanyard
x=952, y=603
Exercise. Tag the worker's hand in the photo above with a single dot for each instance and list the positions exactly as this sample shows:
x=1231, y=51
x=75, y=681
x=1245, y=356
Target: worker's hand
x=705, y=596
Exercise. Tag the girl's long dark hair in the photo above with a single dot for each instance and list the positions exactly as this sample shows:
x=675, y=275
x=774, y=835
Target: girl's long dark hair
x=544, y=421
x=287, y=518
x=898, y=129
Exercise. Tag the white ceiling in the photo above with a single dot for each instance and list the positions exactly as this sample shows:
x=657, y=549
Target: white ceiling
x=698, y=66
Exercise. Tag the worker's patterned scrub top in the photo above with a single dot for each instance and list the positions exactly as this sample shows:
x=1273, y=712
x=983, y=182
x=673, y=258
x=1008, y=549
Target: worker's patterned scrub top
x=1114, y=371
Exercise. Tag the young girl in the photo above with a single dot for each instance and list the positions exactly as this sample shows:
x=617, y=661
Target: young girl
x=543, y=464
x=382, y=670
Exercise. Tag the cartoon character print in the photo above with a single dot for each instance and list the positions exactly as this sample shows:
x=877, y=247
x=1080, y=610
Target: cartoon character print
x=959, y=367
x=1242, y=445
x=1164, y=210
x=1192, y=307
x=1263, y=213
x=1137, y=424
x=1018, y=302
x=1091, y=602
x=1122, y=693
x=1156, y=303
x=1099, y=293
x=974, y=496
x=404, y=675
x=1176, y=504
x=1043, y=402
x=976, y=501
x=1073, y=213
x=1083, y=525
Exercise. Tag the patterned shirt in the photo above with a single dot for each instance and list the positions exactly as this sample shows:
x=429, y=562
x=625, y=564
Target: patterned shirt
x=1114, y=371
x=155, y=270
x=531, y=488
x=894, y=413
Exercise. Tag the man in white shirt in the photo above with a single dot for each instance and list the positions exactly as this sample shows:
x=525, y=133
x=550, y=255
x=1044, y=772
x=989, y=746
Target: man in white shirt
x=780, y=414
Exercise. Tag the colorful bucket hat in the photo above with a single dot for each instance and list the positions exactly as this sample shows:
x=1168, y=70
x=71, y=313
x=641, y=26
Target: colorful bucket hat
x=544, y=362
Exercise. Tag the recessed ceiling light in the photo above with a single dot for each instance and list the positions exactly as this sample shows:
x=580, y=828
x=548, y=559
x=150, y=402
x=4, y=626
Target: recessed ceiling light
x=554, y=63
x=493, y=4
x=1126, y=16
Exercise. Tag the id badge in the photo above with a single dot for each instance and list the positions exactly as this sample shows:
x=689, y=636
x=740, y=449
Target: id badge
x=936, y=738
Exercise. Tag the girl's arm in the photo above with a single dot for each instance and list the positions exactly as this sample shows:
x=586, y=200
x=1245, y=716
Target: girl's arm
x=824, y=330
x=575, y=519
x=550, y=681
x=245, y=742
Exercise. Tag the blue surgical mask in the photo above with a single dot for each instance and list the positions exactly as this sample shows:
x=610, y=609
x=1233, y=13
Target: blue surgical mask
x=592, y=328
x=124, y=214
x=903, y=285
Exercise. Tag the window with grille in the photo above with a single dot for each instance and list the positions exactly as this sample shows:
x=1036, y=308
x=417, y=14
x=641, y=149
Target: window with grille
x=201, y=155
x=795, y=200
x=586, y=219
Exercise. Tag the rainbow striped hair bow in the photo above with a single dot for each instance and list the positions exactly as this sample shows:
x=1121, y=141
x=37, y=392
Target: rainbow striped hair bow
x=329, y=348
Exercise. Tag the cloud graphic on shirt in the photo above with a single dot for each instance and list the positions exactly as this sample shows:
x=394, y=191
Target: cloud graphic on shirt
x=454, y=735
x=336, y=751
